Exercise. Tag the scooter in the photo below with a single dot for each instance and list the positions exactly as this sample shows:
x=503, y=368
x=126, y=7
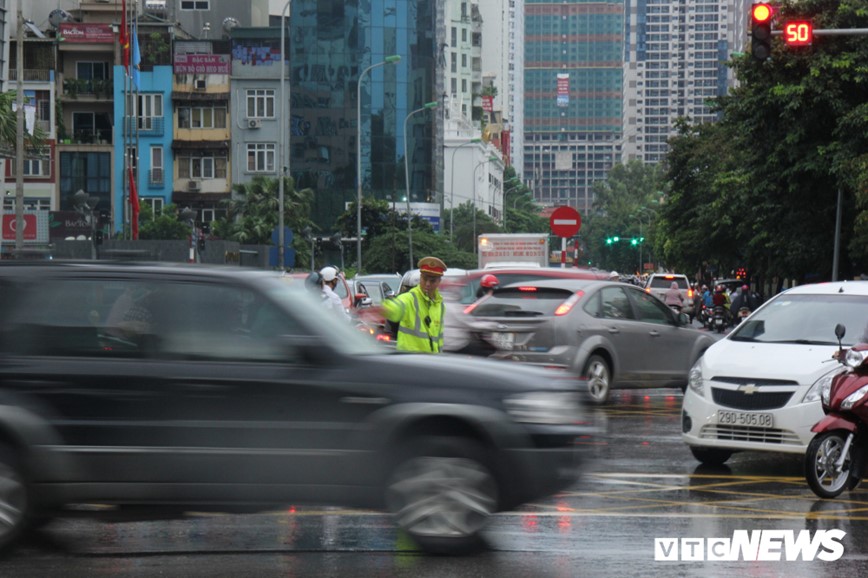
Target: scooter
x=836, y=456
x=718, y=319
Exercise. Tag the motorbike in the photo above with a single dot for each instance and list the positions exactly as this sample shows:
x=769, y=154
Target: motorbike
x=718, y=319
x=705, y=316
x=675, y=309
x=836, y=455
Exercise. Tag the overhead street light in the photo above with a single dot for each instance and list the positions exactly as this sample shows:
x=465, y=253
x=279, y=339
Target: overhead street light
x=426, y=106
x=388, y=60
x=282, y=168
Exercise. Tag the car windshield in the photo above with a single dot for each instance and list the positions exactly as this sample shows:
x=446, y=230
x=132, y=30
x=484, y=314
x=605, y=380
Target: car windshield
x=329, y=326
x=806, y=319
x=666, y=282
x=521, y=302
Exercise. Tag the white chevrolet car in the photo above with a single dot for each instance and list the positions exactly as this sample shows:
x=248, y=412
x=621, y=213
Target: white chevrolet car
x=759, y=387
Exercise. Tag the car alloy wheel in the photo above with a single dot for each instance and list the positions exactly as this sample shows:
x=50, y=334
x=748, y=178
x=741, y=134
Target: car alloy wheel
x=442, y=493
x=599, y=379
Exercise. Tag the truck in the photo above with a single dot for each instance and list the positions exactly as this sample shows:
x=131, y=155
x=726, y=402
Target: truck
x=513, y=249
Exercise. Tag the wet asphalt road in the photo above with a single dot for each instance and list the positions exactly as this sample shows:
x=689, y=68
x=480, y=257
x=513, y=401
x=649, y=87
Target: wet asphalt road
x=641, y=484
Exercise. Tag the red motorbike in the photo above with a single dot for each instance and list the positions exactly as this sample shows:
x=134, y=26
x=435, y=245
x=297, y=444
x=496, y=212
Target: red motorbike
x=836, y=456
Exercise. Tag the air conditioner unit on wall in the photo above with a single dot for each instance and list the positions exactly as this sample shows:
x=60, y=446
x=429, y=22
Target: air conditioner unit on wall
x=254, y=123
x=200, y=84
x=193, y=186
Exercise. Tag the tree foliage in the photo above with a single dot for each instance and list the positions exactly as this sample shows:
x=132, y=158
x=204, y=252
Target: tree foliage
x=253, y=214
x=760, y=188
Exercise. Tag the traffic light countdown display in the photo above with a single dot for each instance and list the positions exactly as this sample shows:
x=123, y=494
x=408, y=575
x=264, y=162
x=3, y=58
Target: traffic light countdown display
x=761, y=31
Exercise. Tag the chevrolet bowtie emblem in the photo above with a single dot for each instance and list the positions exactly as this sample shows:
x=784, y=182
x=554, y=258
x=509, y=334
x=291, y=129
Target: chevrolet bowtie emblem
x=749, y=389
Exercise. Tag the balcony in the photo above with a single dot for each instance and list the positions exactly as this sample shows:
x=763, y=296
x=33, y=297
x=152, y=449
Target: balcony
x=89, y=136
x=89, y=89
x=31, y=75
x=145, y=125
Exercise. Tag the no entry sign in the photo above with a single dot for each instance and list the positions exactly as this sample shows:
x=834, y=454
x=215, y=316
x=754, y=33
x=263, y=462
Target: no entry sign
x=565, y=222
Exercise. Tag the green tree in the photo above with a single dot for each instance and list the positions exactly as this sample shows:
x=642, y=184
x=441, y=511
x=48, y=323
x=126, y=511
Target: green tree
x=626, y=205
x=9, y=128
x=764, y=185
x=167, y=225
x=253, y=214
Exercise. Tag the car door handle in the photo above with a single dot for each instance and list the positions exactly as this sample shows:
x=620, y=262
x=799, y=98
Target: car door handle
x=614, y=330
x=654, y=333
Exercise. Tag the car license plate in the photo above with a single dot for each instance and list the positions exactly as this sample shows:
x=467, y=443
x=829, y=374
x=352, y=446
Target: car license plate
x=502, y=340
x=745, y=418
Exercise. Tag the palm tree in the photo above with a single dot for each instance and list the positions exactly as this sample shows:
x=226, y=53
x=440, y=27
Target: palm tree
x=9, y=127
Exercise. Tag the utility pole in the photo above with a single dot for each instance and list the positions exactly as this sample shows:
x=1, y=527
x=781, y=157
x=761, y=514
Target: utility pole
x=19, y=137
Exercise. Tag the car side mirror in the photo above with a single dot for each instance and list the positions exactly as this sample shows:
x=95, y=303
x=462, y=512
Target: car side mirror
x=389, y=294
x=361, y=300
x=683, y=319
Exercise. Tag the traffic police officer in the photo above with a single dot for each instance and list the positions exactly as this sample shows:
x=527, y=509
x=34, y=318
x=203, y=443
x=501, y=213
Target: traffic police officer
x=420, y=311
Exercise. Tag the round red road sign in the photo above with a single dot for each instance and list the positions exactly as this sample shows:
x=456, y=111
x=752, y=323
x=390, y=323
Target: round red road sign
x=565, y=221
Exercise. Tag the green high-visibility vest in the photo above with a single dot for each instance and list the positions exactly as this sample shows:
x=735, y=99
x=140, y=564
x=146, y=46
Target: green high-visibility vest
x=420, y=319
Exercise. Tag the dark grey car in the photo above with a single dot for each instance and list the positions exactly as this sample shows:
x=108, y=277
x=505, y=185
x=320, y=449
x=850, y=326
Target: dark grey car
x=177, y=388
x=612, y=334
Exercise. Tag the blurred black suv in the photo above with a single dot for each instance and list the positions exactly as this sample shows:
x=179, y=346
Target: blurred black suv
x=176, y=388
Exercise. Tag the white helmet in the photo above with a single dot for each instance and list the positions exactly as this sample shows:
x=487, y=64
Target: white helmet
x=614, y=275
x=328, y=274
x=410, y=280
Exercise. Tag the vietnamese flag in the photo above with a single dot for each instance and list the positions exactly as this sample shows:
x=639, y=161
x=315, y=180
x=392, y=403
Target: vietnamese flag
x=124, y=38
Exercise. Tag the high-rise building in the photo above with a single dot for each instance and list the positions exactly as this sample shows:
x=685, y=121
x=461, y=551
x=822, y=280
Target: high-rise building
x=503, y=63
x=339, y=51
x=572, y=97
x=674, y=64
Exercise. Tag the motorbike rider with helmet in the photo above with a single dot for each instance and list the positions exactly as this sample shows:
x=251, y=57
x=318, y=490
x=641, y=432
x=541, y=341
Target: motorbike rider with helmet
x=721, y=299
x=487, y=285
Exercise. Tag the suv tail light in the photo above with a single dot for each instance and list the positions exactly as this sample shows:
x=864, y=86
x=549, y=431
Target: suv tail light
x=567, y=305
x=690, y=293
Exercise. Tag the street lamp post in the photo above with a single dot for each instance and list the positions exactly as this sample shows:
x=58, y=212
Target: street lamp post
x=189, y=215
x=84, y=204
x=426, y=106
x=282, y=168
x=388, y=60
x=452, y=185
x=488, y=160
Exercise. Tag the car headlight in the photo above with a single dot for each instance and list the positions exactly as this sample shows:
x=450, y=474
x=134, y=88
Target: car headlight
x=854, y=398
x=544, y=407
x=820, y=390
x=694, y=379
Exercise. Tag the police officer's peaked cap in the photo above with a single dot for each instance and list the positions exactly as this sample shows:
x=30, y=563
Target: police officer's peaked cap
x=432, y=266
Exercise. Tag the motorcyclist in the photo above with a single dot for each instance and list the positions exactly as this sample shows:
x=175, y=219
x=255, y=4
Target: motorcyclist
x=707, y=296
x=673, y=296
x=721, y=299
x=487, y=285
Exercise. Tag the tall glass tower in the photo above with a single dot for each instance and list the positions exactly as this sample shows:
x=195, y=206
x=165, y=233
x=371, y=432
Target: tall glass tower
x=573, y=97
x=332, y=42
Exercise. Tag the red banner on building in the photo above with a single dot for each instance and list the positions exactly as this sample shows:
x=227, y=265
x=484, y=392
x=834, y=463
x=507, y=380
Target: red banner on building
x=9, y=227
x=202, y=64
x=563, y=89
x=488, y=103
x=82, y=33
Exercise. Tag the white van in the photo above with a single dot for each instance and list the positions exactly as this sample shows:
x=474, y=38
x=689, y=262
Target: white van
x=759, y=387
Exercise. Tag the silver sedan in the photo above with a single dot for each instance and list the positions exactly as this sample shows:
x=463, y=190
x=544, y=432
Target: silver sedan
x=613, y=335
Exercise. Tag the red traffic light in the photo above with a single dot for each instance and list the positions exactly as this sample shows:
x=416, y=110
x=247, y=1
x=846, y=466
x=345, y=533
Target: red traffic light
x=761, y=12
x=799, y=33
